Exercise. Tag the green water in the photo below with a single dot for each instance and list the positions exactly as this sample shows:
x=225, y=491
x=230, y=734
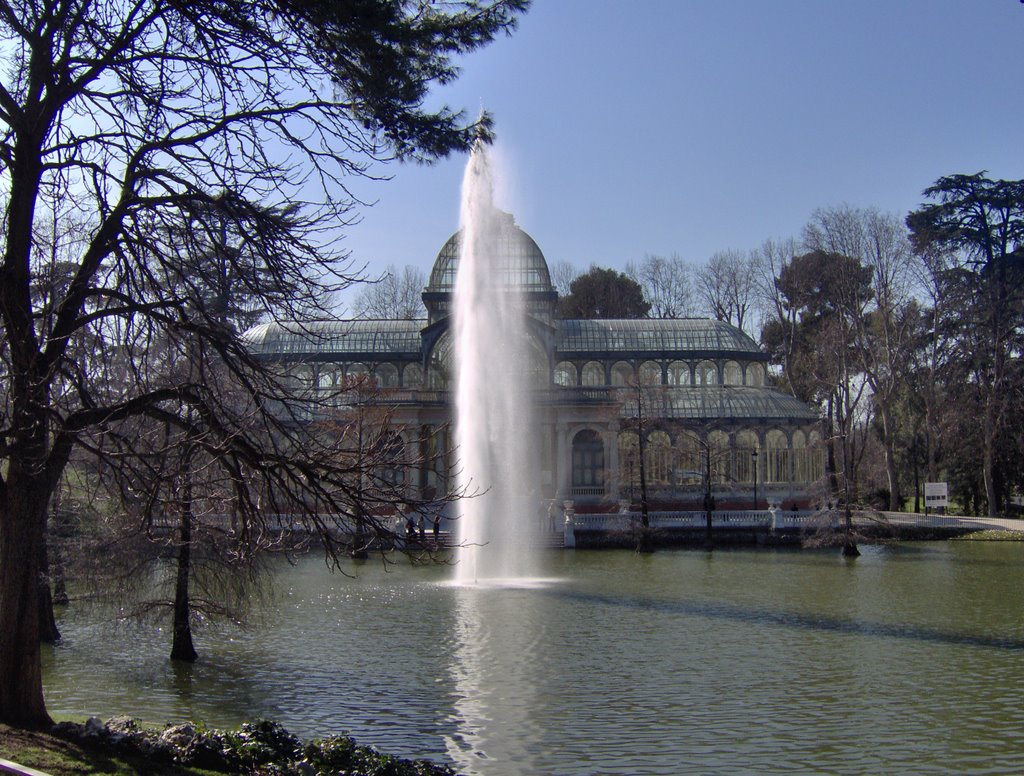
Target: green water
x=908, y=659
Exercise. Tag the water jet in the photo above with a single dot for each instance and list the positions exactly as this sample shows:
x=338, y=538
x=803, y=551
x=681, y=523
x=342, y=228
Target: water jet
x=495, y=427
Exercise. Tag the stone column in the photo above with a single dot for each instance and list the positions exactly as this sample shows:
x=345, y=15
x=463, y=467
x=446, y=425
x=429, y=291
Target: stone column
x=563, y=461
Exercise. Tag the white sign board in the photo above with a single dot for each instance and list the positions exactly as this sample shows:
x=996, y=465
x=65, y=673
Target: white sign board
x=936, y=494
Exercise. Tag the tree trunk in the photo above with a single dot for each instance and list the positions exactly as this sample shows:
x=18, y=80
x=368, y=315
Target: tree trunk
x=988, y=461
x=48, y=632
x=830, y=448
x=643, y=544
x=895, y=502
x=182, y=647
x=21, y=541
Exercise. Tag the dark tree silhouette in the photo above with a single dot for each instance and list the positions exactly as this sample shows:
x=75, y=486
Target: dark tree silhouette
x=976, y=226
x=133, y=120
x=604, y=293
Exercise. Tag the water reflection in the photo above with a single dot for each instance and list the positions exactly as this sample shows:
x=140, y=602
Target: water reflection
x=796, y=620
x=496, y=666
x=904, y=661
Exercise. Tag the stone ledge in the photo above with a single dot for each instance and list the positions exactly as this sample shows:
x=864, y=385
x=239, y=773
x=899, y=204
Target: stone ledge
x=6, y=766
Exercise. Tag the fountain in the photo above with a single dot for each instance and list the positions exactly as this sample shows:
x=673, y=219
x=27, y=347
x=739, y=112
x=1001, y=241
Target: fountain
x=494, y=415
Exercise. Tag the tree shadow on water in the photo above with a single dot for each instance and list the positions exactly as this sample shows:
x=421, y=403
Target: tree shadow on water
x=810, y=622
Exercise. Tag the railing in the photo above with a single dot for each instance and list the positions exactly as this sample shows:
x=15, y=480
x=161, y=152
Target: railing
x=787, y=519
x=738, y=518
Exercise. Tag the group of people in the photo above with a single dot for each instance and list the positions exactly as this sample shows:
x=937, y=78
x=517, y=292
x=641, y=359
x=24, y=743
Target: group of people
x=418, y=526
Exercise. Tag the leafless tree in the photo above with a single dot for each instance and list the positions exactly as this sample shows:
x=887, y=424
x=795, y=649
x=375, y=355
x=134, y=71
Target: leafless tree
x=667, y=283
x=768, y=262
x=155, y=125
x=396, y=295
x=727, y=286
x=562, y=274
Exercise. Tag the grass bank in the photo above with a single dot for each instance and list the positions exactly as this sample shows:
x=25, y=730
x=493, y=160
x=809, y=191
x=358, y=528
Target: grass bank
x=120, y=747
x=993, y=536
x=60, y=757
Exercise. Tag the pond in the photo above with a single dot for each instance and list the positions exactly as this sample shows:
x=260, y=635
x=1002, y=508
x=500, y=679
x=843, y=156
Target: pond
x=908, y=658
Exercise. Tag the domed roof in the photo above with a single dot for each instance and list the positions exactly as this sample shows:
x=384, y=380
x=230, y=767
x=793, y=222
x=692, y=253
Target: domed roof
x=517, y=261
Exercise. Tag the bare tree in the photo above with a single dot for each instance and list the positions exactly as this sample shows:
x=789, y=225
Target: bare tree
x=562, y=274
x=773, y=307
x=137, y=119
x=394, y=296
x=727, y=286
x=667, y=284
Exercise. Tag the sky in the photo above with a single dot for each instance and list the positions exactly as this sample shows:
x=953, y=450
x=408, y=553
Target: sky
x=689, y=127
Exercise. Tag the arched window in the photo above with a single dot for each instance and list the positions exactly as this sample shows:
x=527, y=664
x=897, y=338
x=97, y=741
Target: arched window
x=746, y=446
x=440, y=364
x=658, y=459
x=650, y=373
x=732, y=373
x=622, y=374
x=535, y=361
x=355, y=372
x=688, y=463
x=755, y=374
x=587, y=460
x=435, y=455
x=565, y=374
x=593, y=374
x=303, y=377
x=678, y=373
x=719, y=452
x=390, y=470
x=707, y=373
x=412, y=376
x=386, y=375
x=325, y=380
x=776, y=468
x=816, y=455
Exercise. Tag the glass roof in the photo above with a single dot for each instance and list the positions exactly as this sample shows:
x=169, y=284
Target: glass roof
x=712, y=402
x=380, y=337
x=575, y=338
x=516, y=259
x=645, y=335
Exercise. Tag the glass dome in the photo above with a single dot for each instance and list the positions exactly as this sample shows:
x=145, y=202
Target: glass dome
x=517, y=261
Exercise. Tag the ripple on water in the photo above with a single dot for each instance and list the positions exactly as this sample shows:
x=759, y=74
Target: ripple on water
x=734, y=662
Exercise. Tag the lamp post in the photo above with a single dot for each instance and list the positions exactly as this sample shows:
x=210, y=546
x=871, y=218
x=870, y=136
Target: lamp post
x=753, y=458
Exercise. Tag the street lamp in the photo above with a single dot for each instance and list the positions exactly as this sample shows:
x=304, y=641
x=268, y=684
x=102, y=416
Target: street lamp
x=753, y=458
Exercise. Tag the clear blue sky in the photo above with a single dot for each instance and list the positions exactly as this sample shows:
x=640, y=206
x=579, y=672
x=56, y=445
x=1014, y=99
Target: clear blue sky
x=693, y=126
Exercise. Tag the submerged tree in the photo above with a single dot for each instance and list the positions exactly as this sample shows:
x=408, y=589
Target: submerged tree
x=134, y=119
